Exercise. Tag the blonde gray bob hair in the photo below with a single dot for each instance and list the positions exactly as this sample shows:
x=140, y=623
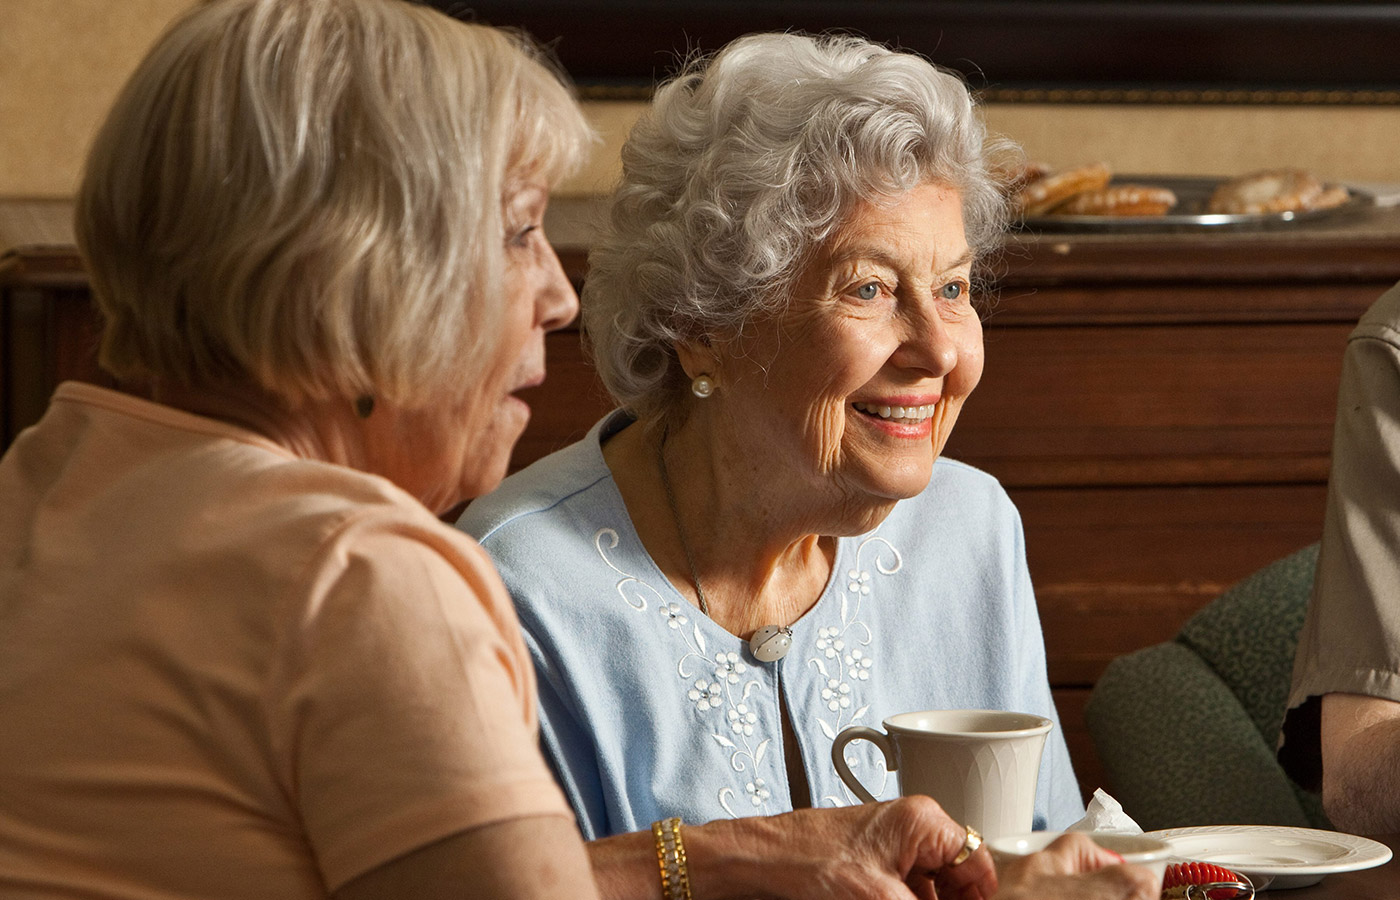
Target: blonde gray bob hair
x=742, y=167
x=308, y=194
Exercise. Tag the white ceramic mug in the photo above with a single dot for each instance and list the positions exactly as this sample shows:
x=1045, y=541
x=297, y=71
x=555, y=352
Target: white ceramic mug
x=981, y=765
x=1138, y=849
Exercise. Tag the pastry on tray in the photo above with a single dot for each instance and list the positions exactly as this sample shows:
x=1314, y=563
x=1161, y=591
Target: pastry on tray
x=1141, y=200
x=1273, y=191
x=1043, y=194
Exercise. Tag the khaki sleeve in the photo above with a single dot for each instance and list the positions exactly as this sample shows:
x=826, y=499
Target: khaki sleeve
x=1350, y=640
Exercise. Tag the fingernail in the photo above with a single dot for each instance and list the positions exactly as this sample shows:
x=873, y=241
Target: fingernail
x=1115, y=855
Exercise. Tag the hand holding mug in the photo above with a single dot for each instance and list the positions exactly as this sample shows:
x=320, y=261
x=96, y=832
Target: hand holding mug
x=980, y=765
x=899, y=848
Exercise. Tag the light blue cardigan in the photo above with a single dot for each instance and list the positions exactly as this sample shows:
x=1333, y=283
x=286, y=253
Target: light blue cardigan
x=648, y=709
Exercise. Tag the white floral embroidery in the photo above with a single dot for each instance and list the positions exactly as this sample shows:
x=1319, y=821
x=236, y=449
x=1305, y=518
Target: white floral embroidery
x=837, y=694
x=674, y=617
x=633, y=590
x=842, y=655
x=858, y=664
x=710, y=683
x=829, y=642
x=758, y=792
x=728, y=667
x=706, y=695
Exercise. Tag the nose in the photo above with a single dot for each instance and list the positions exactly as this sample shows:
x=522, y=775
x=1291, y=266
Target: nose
x=556, y=304
x=928, y=346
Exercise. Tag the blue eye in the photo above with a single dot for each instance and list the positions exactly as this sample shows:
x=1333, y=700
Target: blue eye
x=868, y=291
x=953, y=290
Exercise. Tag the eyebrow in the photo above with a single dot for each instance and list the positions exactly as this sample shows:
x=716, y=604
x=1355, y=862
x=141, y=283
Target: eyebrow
x=884, y=259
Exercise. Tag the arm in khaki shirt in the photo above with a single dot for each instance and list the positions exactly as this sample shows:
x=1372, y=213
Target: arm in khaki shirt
x=1349, y=647
x=1361, y=763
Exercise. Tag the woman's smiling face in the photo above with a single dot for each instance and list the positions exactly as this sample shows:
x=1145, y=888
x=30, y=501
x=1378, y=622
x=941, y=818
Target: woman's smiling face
x=857, y=385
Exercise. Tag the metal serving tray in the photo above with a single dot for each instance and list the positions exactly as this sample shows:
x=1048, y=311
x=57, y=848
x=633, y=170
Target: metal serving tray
x=1192, y=194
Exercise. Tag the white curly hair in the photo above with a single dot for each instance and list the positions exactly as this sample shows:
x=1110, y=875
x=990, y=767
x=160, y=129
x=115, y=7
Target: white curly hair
x=744, y=164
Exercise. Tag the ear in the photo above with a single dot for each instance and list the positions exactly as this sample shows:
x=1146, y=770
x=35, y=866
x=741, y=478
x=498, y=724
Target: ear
x=697, y=357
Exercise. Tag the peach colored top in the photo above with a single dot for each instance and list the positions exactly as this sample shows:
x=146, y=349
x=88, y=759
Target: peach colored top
x=228, y=672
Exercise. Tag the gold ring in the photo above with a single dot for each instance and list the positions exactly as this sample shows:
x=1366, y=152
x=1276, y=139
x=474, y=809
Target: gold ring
x=969, y=847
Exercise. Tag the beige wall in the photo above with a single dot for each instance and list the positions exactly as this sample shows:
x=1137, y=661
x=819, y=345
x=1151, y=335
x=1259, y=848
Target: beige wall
x=61, y=62
x=1342, y=143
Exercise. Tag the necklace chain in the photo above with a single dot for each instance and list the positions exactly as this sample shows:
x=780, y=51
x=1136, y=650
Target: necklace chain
x=680, y=529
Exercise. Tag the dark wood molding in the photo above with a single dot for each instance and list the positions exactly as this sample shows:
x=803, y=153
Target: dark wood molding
x=1113, y=51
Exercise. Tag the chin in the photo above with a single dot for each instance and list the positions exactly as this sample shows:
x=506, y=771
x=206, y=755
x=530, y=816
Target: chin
x=909, y=481
x=482, y=480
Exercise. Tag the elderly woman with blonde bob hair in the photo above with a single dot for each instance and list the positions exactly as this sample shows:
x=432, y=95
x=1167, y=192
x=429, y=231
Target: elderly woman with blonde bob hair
x=240, y=656
x=763, y=545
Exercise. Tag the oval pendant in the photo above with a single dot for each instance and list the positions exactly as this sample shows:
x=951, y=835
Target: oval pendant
x=771, y=643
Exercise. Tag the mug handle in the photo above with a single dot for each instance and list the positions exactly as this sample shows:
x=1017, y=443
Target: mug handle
x=838, y=756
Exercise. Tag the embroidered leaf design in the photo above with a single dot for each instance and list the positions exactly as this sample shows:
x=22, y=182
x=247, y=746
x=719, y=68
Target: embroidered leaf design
x=699, y=638
x=749, y=689
x=826, y=729
x=723, y=741
x=762, y=749
x=855, y=716
x=845, y=608
x=724, y=795
x=821, y=666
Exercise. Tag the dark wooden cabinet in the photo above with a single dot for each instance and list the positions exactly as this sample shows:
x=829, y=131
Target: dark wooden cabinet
x=1159, y=407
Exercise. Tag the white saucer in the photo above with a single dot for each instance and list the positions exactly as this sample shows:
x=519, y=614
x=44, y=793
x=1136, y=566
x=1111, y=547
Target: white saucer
x=1273, y=856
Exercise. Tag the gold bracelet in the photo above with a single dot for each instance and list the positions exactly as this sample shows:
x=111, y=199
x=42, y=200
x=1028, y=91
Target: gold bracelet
x=670, y=858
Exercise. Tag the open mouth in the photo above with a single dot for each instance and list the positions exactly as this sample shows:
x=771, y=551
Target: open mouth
x=905, y=415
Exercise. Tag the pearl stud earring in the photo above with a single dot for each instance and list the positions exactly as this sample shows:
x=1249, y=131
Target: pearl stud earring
x=702, y=386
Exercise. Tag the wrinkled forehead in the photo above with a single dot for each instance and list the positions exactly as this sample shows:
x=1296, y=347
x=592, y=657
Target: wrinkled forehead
x=926, y=221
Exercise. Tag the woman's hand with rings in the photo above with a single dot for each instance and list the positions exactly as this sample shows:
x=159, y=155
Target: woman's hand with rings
x=969, y=847
x=896, y=850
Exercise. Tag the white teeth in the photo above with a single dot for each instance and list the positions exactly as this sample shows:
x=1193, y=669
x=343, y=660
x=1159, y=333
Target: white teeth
x=903, y=413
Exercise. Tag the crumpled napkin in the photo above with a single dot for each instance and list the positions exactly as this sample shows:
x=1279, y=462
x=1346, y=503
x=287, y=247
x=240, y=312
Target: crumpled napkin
x=1104, y=814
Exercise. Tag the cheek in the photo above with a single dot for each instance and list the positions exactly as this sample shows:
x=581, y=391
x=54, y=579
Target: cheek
x=960, y=383
x=826, y=382
x=971, y=357
x=827, y=427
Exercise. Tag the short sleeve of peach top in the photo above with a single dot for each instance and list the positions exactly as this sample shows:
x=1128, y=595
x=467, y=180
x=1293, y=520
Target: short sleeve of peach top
x=229, y=672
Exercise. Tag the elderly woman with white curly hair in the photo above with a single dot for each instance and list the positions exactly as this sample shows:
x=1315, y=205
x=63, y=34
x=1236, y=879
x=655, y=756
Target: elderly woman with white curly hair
x=763, y=545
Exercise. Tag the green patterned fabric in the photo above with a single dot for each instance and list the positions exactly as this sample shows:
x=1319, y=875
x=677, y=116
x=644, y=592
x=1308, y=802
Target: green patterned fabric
x=1186, y=730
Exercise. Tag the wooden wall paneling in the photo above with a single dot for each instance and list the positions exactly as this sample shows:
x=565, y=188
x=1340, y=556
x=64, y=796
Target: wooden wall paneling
x=1333, y=255
x=1118, y=569
x=1085, y=302
x=1153, y=404
x=49, y=331
x=569, y=402
x=1088, y=770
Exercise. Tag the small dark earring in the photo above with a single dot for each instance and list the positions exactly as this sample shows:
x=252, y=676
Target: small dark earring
x=364, y=405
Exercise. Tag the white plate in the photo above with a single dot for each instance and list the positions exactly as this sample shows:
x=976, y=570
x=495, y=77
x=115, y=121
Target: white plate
x=1274, y=856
